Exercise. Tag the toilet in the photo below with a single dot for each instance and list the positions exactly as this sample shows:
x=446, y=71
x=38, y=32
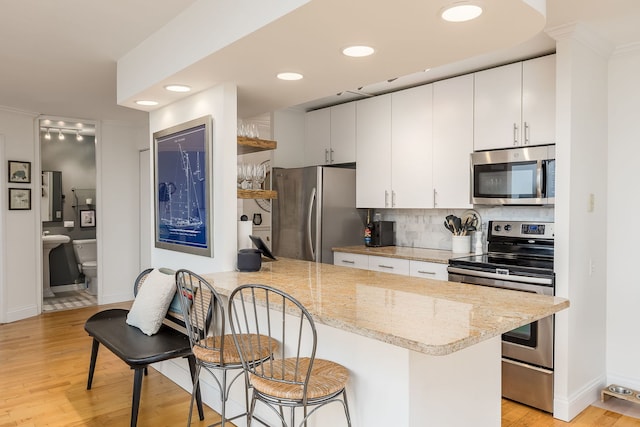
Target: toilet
x=86, y=255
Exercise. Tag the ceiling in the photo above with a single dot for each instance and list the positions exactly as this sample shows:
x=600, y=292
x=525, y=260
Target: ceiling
x=59, y=57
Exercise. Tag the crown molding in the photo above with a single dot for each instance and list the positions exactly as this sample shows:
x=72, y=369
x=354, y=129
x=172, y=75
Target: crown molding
x=583, y=34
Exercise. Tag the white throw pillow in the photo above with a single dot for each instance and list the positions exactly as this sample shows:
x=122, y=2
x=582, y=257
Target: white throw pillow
x=152, y=302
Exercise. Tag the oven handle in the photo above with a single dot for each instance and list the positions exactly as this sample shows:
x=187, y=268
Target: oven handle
x=528, y=366
x=508, y=277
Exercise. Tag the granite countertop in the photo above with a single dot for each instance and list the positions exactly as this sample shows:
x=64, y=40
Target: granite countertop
x=434, y=317
x=415, y=254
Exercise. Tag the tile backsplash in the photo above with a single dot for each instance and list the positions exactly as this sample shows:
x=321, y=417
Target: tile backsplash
x=424, y=228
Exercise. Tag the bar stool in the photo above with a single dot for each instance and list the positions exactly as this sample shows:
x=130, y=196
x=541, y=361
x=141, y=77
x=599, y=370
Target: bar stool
x=293, y=377
x=204, y=318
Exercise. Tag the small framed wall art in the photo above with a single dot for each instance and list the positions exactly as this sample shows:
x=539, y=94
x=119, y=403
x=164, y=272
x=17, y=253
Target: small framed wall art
x=87, y=218
x=19, y=172
x=19, y=199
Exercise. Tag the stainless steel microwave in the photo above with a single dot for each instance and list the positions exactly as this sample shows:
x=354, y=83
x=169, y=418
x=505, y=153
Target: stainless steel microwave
x=514, y=176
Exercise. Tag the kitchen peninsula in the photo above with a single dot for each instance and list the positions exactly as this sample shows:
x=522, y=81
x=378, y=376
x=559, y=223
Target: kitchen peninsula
x=418, y=350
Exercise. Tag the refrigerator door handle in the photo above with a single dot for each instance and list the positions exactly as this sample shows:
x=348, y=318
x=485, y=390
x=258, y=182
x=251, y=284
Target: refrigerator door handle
x=312, y=199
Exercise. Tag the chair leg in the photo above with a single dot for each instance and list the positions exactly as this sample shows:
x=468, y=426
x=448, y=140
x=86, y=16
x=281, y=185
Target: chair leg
x=223, y=395
x=346, y=407
x=194, y=375
x=92, y=363
x=137, y=388
x=194, y=390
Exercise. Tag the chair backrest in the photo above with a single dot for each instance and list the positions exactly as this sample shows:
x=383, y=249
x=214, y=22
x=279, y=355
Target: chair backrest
x=203, y=311
x=261, y=309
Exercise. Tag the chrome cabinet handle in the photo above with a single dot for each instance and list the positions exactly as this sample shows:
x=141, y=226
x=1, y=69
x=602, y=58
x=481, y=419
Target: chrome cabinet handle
x=326, y=155
x=331, y=155
x=515, y=134
x=427, y=272
x=386, y=199
x=526, y=133
x=435, y=199
x=346, y=261
x=393, y=199
x=390, y=267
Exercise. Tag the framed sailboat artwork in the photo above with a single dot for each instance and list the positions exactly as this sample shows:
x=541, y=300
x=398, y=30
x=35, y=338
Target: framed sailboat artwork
x=182, y=181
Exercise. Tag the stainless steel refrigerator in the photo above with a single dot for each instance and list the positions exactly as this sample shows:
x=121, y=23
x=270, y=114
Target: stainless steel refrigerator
x=314, y=212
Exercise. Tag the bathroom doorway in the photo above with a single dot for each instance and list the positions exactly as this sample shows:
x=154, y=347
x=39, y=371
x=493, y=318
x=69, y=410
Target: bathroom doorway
x=68, y=213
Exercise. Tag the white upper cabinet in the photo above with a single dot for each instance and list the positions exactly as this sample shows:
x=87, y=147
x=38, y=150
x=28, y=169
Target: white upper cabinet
x=539, y=100
x=330, y=135
x=317, y=137
x=373, y=152
x=452, y=142
x=515, y=105
x=343, y=133
x=411, y=148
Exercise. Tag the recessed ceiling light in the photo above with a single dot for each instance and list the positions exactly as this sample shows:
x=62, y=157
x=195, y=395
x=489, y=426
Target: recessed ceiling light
x=461, y=12
x=358, y=51
x=289, y=76
x=178, y=88
x=146, y=103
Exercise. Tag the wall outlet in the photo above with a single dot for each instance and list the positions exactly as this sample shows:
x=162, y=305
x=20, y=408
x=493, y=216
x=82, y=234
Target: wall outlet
x=69, y=224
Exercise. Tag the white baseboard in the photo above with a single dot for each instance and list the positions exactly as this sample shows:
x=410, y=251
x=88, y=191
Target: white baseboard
x=21, y=313
x=567, y=409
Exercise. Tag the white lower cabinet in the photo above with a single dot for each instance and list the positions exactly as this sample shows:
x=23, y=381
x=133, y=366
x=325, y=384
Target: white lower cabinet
x=351, y=260
x=428, y=270
x=424, y=269
x=389, y=265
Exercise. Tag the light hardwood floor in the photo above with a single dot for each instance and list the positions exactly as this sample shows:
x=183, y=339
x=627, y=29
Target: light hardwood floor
x=43, y=375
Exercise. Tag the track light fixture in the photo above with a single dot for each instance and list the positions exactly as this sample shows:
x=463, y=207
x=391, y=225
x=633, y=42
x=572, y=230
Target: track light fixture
x=47, y=135
x=60, y=135
x=78, y=136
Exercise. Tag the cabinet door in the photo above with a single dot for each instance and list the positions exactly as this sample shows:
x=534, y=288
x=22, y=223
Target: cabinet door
x=539, y=100
x=411, y=148
x=343, y=133
x=452, y=142
x=389, y=265
x=373, y=151
x=497, y=109
x=317, y=137
x=351, y=260
x=428, y=270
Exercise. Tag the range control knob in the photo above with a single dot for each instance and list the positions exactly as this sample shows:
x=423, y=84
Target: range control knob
x=507, y=227
x=497, y=228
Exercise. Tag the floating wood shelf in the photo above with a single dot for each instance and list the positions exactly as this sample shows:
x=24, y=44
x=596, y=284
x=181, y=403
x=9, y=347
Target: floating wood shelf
x=252, y=145
x=257, y=194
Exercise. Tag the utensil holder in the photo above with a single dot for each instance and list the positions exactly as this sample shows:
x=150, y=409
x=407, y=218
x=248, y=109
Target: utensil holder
x=461, y=244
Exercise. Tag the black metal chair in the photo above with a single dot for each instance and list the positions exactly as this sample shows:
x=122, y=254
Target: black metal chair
x=205, y=322
x=136, y=349
x=294, y=377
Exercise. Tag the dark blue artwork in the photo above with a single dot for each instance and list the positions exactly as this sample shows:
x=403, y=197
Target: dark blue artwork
x=181, y=185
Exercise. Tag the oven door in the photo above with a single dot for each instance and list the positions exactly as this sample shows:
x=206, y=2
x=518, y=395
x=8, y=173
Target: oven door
x=532, y=343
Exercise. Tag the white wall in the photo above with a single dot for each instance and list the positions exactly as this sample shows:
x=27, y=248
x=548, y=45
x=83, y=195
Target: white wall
x=220, y=103
x=21, y=250
x=623, y=290
x=118, y=212
x=117, y=215
x=580, y=263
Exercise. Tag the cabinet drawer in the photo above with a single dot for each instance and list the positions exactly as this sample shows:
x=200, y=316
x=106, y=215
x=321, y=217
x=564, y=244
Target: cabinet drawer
x=351, y=260
x=389, y=265
x=428, y=270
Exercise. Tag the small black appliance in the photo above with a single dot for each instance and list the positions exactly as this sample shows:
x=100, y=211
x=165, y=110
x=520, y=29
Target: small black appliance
x=382, y=233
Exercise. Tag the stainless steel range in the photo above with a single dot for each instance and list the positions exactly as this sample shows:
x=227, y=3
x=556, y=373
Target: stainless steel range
x=520, y=257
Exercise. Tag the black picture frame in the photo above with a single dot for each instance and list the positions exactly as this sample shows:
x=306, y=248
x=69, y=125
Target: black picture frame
x=87, y=218
x=19, y=172
x=183, y=188
x=19, y=199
